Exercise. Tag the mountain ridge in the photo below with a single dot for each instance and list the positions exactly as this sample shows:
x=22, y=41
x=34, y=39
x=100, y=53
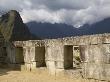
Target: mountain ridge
x=47, y=30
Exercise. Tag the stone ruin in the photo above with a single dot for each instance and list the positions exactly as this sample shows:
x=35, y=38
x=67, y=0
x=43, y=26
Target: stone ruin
x=88, y=54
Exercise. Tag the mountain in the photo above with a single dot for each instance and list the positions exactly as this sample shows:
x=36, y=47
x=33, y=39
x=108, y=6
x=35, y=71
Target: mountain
x=47, y=30
x=13, y=28
x=96, y=28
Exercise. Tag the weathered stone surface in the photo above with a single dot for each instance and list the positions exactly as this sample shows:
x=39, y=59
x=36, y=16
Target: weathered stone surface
x=94, y=55
x=97, y=71
x=59, y=64
x=54, y=52
x=51, y=67
x=11, y=53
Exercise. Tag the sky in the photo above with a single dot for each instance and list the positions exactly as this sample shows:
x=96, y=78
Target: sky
x=71, y=12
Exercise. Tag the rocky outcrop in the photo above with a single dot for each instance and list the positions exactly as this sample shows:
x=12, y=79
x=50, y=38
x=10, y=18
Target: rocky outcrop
x=13, y=28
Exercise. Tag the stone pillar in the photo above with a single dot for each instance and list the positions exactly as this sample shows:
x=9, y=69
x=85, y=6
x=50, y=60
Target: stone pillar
x=29, y=58
x=54, y=58
x=33, y=61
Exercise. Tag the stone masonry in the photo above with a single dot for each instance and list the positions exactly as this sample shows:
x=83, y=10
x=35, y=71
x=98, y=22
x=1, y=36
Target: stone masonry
x=62, y=54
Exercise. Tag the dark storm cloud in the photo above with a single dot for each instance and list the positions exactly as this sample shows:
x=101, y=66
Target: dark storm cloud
x=73, y=12
x=63, y=4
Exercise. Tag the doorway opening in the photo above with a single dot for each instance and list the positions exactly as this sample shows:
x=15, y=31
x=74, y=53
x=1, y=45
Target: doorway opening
x=68, y=56
x=19, y=57
x=3, y=55
x=40, y=56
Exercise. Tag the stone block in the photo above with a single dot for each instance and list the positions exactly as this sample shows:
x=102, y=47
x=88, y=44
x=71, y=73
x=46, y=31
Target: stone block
x=26, y=67
x=33, y=65
x=93, y=39
x=107, y=70
x=94, y=53
x=106, y=39
x=97, y=71
x=51, y=67
x=54, y=53
x=84, y=40
x=59, y=64
x=106, y=53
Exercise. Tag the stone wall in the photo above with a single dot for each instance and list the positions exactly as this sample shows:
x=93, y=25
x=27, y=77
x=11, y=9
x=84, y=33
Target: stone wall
x=3, y=54
x=94, y=54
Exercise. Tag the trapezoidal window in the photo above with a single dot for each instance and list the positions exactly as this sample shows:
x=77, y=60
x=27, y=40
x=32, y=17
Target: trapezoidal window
x=19, y=55
x=68, y=56
x=78, y=55
x=40, y=56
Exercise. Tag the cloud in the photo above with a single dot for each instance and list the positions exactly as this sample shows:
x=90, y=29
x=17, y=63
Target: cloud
x=72, y=12
x=40, y=15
